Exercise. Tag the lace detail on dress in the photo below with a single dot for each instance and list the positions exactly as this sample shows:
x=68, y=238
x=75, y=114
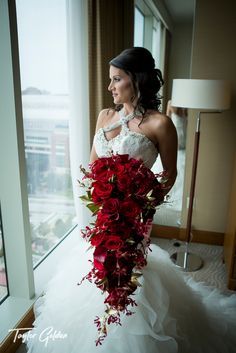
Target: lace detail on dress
x=129, y=142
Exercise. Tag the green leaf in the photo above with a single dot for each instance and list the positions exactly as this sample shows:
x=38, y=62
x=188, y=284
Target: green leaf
x=102, y=281
x=93, y=208
x=136, y=274
x=85, y=198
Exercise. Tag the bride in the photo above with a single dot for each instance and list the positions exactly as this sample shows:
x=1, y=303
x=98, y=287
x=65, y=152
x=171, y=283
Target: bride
x=173, y=313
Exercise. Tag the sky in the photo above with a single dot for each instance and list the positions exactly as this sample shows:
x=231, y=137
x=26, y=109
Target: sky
x=43, y=44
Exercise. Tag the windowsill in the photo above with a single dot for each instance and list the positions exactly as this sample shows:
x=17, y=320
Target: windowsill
x=13, y=309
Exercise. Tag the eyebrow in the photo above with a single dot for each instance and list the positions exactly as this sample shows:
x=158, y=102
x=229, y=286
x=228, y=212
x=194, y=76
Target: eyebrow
x=115, y=76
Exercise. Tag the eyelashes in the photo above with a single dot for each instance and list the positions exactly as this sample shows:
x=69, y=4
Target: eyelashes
x=116, y=79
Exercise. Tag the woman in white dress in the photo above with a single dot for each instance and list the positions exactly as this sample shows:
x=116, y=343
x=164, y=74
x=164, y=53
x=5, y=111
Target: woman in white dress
x=173, y=314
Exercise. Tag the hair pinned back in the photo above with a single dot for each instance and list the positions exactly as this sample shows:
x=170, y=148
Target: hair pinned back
x=147, y=80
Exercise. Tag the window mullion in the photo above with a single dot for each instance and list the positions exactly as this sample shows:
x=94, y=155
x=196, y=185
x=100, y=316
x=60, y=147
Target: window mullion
x=13, y=186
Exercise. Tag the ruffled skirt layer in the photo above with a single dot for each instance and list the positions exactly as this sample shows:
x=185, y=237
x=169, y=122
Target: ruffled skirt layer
x=174, y=314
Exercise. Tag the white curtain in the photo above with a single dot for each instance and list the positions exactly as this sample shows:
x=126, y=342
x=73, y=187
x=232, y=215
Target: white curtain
x=79, y=125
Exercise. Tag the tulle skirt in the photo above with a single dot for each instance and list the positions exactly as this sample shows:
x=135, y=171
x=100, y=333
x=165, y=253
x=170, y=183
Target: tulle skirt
x=174, y=313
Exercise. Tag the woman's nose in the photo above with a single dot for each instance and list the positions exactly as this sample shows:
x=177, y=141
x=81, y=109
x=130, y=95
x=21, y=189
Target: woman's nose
x=110, y=86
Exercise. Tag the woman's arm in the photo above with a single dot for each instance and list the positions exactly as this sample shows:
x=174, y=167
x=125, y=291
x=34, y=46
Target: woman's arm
x=100, y=123
x=168, y=109
x=167, y=145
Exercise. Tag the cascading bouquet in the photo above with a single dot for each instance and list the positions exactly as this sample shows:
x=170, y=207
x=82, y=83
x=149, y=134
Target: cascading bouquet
x=122, y=193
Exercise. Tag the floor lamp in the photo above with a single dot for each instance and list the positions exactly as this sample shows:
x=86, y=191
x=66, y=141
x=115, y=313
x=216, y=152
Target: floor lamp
x=207, y=96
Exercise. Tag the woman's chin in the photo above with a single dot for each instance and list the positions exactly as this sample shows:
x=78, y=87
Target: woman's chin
x=116, y=100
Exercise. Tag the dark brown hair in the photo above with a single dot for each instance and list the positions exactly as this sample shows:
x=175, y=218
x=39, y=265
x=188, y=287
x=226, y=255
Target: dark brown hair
x=147, y=80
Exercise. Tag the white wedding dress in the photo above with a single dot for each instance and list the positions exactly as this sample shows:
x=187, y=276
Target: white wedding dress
x=174, y=314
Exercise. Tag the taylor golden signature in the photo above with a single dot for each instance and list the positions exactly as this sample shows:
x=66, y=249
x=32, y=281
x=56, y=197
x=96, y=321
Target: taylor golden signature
x=49, y=333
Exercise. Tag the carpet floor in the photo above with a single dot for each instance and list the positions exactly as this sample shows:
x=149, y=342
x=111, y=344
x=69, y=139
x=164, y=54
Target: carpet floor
x=213, y=273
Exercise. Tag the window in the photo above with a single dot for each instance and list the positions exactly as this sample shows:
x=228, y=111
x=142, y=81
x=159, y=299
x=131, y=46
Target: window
x=3, y=275
x=45, y=100
x=151, y=26
x=138, y=28
x=149, y=31
x=45, y=125
x=156, y=41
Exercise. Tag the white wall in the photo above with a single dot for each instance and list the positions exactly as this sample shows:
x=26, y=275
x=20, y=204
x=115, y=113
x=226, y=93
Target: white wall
x=214, y=57
x=180, y=53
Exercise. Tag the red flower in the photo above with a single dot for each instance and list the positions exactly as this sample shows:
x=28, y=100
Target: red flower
x=97, y=239
x=103, y=220
x=99, y=257
x=101, y=191
x=123, y=182
x=114, y=242
x=130, y=209
x=101, y=169
x=123, y=194
x=111, y=207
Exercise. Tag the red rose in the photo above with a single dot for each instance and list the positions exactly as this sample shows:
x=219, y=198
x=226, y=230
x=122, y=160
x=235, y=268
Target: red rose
x=102, y=169
x=111, y=207
x=101, y=191
x=123, y=182
x=97, y=239
x=130, y=209
x=113, y=242
x=103, y=220
x=120, y=169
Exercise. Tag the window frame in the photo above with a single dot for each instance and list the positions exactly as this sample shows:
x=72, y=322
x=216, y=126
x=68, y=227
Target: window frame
x=13, y=190
x=3, y=298
x=155, y=12
x=25, y=283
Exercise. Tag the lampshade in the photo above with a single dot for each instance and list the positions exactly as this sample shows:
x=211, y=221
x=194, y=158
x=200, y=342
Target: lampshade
x=201, y=94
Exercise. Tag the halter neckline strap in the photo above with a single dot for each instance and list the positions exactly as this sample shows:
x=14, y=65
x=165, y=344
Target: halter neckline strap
x=124, y=119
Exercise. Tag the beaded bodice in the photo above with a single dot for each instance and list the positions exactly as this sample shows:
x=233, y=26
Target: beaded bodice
x=135, y=144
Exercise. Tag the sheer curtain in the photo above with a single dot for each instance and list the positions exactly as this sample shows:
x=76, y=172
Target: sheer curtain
x=79, y=126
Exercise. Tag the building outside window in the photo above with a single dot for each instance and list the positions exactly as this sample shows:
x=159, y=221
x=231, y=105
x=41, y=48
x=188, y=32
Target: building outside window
x=46, y=115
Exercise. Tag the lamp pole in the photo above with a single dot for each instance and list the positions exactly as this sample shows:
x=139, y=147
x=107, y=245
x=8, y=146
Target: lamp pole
x=193, y=179
x=185, y=259
x=207, y=96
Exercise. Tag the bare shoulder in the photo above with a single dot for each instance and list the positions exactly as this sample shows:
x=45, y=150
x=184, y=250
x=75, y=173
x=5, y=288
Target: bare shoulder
x=104, y=116
x=160, y=122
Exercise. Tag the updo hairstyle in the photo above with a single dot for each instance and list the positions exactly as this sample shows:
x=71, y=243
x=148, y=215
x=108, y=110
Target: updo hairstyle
x=147, y=80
